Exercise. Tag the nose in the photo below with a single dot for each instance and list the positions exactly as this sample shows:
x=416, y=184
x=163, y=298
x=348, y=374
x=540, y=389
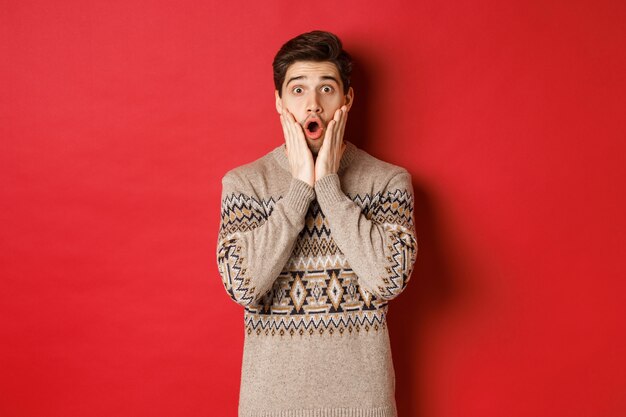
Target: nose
x=313, y=105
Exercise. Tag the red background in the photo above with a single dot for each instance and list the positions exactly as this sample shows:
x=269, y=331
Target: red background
x=119, y=118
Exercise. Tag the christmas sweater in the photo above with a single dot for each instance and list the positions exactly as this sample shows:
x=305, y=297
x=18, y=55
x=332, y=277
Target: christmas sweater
x=314, y=269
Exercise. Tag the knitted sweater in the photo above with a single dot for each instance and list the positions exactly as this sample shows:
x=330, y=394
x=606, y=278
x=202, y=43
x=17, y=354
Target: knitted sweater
x=314, y=269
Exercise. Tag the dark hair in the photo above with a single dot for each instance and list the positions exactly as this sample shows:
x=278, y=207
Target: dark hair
x=312, y=46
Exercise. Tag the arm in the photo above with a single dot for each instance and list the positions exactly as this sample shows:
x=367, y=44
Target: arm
x=380, y=246
x=254, y=245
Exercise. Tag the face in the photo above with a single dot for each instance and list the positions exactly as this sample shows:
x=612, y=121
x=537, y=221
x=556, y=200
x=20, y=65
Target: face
x=312, y=92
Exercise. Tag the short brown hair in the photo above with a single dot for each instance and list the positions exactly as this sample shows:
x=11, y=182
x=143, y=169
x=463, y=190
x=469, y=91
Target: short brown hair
x=312, y=46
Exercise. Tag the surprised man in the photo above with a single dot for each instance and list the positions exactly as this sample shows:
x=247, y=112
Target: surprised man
x=316, y=237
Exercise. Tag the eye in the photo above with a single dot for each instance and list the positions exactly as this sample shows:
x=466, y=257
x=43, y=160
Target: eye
x=327, y=89
x=297, y=90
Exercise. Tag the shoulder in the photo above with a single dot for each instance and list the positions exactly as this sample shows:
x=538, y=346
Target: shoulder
x=256, y=177
x=376, y=173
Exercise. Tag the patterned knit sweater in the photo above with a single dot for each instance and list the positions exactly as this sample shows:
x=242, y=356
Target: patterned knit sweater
x=314, y=269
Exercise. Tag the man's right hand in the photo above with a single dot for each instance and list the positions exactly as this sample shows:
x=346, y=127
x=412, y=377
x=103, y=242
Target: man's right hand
x=298, y=152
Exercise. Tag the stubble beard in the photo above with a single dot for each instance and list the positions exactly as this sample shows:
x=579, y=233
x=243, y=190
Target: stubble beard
x=314, y=146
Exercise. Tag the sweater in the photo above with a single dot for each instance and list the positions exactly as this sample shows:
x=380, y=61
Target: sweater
x=314, y=269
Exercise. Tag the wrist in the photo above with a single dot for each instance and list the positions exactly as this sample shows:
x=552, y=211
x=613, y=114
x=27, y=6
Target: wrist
x=307, y=178
x=299, y=195
x=328, y=190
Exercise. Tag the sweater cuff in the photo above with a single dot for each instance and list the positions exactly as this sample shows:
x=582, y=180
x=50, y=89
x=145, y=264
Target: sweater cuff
x=328, y=190
x=299, y=195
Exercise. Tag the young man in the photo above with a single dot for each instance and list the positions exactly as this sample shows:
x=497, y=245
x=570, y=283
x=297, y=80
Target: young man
x=315, y=238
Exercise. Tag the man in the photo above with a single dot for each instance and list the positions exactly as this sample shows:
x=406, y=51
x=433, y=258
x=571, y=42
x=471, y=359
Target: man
x=315, y=238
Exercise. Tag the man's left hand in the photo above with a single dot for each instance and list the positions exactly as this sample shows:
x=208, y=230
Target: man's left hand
x=330, y=153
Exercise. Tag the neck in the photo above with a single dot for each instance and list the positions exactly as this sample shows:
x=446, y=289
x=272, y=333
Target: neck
x=348, y=154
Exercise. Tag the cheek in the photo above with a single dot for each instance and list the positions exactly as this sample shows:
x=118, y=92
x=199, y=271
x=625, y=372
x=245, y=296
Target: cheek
x=290, y=105
x=296, y=108
x=333, y=103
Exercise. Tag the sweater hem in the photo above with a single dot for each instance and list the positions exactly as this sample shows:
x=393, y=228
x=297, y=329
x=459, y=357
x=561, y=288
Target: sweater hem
x=388, y=411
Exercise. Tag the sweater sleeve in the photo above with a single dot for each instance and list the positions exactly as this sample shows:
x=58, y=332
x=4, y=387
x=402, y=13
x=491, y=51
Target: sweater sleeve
x=379, y=241
x=255, y=239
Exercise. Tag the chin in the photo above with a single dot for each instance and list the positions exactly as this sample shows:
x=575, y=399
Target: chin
x=314, y=148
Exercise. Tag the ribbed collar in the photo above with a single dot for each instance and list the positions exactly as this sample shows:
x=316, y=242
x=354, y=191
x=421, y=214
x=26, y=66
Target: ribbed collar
x=347, y=157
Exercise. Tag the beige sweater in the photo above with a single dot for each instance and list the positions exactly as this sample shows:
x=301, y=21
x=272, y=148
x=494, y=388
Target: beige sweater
x=314, y=268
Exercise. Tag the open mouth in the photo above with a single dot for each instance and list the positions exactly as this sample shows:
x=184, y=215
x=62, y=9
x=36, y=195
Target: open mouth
x=313, y=128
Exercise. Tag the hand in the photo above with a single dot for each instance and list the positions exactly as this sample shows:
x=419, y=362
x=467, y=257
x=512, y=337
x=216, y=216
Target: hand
x=298, y=152
x=332, y=149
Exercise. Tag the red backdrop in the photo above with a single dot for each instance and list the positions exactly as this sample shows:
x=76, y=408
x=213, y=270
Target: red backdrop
x=119, y=118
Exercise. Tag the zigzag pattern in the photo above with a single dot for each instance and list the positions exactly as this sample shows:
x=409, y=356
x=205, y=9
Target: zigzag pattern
x=315, y=225
x=315, y=292
x=233, y=272
x=391, y=207
x=241, y=213
x=317, y=289
x=315, y=248
x=283, y=325
x=403, y=251
x=309, y=263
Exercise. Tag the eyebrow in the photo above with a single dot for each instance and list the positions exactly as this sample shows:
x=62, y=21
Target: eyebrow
x=304, y=77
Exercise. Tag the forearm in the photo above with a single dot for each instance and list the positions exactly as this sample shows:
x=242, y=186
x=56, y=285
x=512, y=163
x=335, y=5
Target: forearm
x=250, y=257
x=381, y=252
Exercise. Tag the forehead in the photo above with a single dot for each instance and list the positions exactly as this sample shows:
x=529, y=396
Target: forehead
x=312, y=71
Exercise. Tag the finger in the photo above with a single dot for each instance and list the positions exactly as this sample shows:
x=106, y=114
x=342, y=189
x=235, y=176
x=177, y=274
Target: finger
x=342, y=125
x=296, y=129
x=339, y=125
x=283, y=124
x=331, y=130
x=298, y=144
x=287, y=133
x=328, y=133
x=289, y=126
x=337, y=115
x=332, y=141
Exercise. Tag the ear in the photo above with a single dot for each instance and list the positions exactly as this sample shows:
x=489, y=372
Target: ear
x=279, y=102
x=349, y=98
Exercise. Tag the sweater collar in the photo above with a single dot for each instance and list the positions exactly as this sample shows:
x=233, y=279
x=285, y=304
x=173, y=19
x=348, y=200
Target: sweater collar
x=347, y=157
